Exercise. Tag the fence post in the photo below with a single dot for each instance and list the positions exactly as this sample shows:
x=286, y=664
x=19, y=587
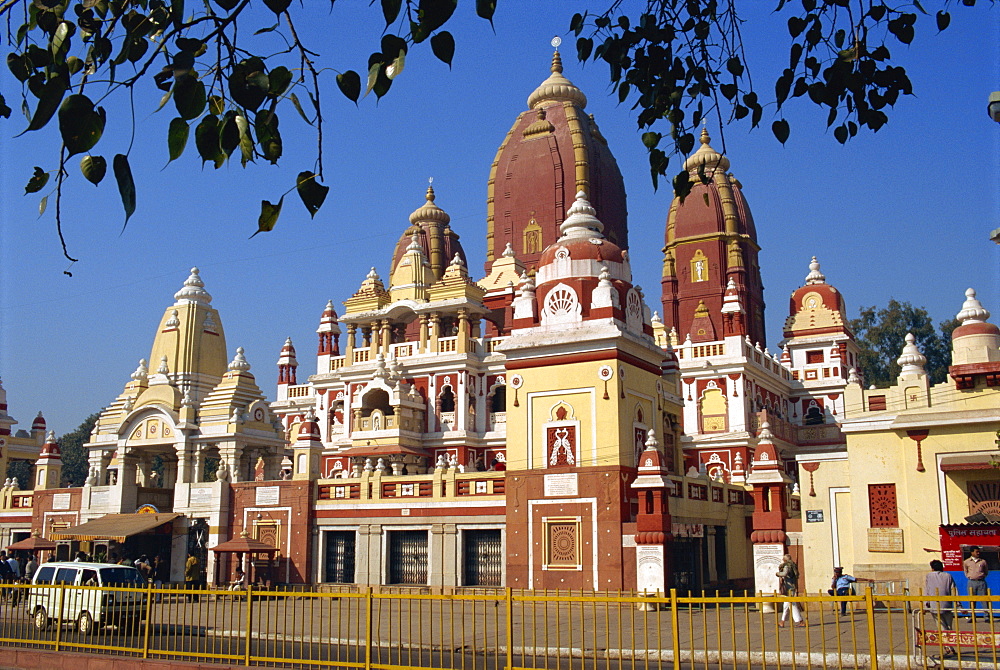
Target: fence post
x=870, y=614
x=509, y=607
x=149, y=619
x=675, y=629
x=368, y=629
x=59, y=618
x=249, y=632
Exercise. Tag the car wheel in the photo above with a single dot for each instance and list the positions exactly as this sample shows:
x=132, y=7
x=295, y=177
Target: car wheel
x=85, y=624
x=41, y=618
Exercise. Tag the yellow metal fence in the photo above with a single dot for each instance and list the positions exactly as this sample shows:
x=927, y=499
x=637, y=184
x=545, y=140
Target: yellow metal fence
x=502, y=629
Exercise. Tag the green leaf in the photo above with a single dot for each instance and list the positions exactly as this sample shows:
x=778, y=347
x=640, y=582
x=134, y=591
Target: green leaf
x=395, y=68
x=443, y=46
x=298, y=106
x=229, y=133
x=277, y=6
x=42, y=204
x=227, y=4
x=177, y=136
x=840, y=132
x=268, y=137
x=390, y=10
x=349, y=84
x=781, y=130
x=432, y=14
x=246, y=141
x=278, y=80
x=268, y=216
x=37, y=182
x=4, y=109
x=93, y=168
x=943, y=20
x=189, y=97
x=373, y=70
x=485, y=9
x=650, y=140
x=206, y=138
x=126, y=186
x=311, y=192
x=60, y=40
x=80, y=125
x=177, y=12
x=216, y=105
x=48, y=101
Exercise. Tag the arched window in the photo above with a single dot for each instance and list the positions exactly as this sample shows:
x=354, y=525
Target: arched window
x=498, y=399
x=446, y=401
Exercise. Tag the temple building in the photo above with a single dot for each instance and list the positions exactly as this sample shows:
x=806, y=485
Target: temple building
x=537, y=427
x=18, y=446
x=917, y=477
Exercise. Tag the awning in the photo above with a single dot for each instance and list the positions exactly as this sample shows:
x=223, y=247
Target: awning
x=33, y=543
x=244, y=544
x=114, y=527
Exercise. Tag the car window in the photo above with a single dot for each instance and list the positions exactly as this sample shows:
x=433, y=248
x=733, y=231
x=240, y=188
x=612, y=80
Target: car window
x=66, y=576
x=121, y=577
x=44, y=575
x=89, y=578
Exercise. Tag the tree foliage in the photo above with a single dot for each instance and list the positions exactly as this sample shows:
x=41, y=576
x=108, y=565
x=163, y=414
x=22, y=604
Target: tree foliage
x=74, y=455
x=678, y=61
x=881, y=333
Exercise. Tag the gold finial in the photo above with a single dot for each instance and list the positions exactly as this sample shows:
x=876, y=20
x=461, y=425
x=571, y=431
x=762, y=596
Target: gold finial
x=556, y=58
x=430, y=189
x=705, y=139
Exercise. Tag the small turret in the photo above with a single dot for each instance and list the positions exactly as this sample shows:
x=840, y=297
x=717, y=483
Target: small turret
x=48, y=467
x=287, y=363
x=329, y=332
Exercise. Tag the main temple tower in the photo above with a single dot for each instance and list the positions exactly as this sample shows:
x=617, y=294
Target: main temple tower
x=553, y=150
x=710, y=241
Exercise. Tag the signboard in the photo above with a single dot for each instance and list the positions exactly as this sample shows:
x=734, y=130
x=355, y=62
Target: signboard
x=814, y=516
x=561, y=485
x=885, y=540
x=60, y=501
x=201, y=495
x=268, y=495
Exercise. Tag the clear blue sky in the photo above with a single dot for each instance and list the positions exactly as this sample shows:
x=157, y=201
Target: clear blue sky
x=904, y=213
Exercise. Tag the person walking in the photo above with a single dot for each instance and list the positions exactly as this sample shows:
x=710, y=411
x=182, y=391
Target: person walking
x=975, y=572
x=841, y=586
x=29, y=568
x=940, y=583
x=192, y=571
x=788, y=576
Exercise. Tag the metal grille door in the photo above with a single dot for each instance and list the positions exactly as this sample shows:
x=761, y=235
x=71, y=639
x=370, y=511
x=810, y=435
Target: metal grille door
x=483, y=560
x=408, y=557
x=339, y=567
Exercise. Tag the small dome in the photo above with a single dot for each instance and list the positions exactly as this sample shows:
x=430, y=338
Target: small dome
x=429, y=212
x=815, y=276
x=581, y=237
x=239, y=362
x=557, y=88
x=309, y=430
x=38, y=423
x=193, y=289
x=706, y=157
x=972, y=310
x=911, y=361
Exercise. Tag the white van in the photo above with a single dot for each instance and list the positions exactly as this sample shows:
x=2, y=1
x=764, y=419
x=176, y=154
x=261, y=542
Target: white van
x=90, y=604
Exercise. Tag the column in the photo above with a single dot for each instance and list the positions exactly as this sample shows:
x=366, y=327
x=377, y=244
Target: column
x=386, y=329
x=462, y=344
x=373, y=335
x=435, y=332
x=349, y=345
x=422, y=348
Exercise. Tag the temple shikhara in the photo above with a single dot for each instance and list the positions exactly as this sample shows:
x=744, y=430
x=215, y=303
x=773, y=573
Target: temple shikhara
x=542, y=424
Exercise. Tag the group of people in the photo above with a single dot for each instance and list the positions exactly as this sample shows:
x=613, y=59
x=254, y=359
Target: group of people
x=937, y=583
x=16, y=571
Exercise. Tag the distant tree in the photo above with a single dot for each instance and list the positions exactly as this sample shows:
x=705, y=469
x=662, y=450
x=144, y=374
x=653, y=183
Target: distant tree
x=881, y=334
x=74, y=456
x=21, y=471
